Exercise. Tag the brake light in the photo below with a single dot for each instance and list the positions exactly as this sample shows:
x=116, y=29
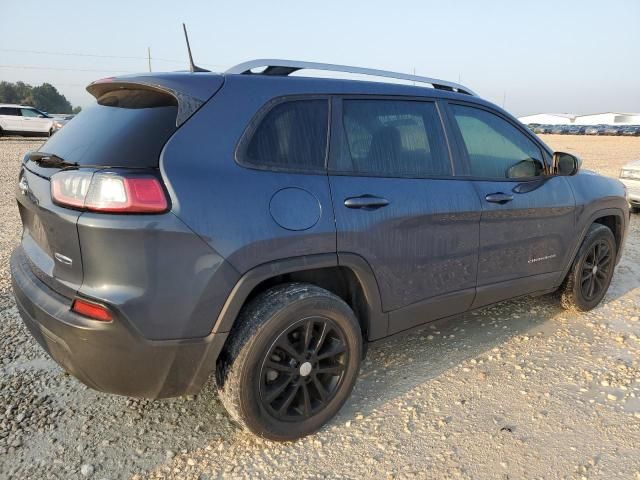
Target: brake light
x=91, y=310
x=108, y=192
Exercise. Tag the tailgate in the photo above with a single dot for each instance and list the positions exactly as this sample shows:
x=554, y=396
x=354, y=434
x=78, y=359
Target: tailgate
x=50, y=235
x=127, y=127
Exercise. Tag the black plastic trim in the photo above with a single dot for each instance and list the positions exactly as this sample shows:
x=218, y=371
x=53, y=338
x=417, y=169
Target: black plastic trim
x=377, y=326
x=594, y=216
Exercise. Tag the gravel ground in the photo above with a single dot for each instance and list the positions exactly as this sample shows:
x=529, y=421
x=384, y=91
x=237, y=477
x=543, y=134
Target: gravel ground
x=522, y=389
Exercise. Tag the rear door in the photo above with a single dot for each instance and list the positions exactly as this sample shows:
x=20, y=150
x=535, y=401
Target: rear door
x=527, y=216
x=398, y=205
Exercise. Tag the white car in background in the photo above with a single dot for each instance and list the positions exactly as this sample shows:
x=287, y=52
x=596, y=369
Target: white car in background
x=630, y=176
x=21, y=119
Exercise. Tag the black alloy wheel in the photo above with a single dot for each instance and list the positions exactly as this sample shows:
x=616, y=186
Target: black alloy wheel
x=590, y=275
x=290, y=362
x=303, y=369
x=596, y=270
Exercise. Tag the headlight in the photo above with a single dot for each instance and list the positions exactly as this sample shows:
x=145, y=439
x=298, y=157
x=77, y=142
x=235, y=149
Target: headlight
x=627, y=173
x=57, y=125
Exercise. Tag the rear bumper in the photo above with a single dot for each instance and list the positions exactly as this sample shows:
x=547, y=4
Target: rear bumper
x=110, y=357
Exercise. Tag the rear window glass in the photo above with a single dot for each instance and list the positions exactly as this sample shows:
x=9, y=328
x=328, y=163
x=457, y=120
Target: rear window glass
x=125, y=128
x=293, y=135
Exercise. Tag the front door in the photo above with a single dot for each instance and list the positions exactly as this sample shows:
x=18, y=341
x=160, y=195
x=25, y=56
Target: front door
x=398, y=206
x=33, y=122
x=527, y=216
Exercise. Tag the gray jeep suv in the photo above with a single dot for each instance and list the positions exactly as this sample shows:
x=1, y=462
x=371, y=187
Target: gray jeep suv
x=260, y=228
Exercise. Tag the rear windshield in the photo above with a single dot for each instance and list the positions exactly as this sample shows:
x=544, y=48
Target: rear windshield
x=125, y=128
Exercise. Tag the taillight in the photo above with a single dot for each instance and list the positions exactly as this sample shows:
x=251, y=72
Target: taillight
x=91, y=310
x=108, y=192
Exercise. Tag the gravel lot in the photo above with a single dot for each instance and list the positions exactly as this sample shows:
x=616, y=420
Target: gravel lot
x=522, y=389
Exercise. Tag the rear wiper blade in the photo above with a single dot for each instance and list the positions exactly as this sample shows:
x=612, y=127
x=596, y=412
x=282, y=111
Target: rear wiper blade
x=50, y=160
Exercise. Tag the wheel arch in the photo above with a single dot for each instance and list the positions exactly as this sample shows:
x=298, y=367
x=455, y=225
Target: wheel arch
x=614, y=219
x=615, y=223
x=348, y=276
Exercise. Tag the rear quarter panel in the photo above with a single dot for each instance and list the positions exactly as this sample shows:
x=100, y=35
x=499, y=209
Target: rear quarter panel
x=228, y=205
x=164, y=280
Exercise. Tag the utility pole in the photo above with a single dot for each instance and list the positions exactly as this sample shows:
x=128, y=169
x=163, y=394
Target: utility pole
x=149, y=57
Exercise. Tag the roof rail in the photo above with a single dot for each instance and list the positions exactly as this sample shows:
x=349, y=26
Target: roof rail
x=287, y=67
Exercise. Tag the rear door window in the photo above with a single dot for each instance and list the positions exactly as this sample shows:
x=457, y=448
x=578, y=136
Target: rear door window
x=392, y=138
x=496, y=148
x=291, y=136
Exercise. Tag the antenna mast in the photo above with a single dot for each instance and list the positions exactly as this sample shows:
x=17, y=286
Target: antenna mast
x=192, y=66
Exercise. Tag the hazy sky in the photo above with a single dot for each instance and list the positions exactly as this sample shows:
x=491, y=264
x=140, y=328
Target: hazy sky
x=539, y=55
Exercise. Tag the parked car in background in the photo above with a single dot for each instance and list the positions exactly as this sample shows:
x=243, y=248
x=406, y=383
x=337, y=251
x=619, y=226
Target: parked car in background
x=632, y=130
x=576, y=130
x=595, y=130
x=630, y=176
x=613, y=130
x=156, y=255
x=61, y=120
x=25, y=120
x=65, y=117
x=559, y=130
x=541, y=129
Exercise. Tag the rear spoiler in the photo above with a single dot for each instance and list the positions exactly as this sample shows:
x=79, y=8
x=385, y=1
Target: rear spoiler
x=190, y=91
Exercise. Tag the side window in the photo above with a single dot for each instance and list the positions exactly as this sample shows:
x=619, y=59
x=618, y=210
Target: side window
x=292, y=135
x=496, y=148
x=27, y=112
x=9, y=111
x=392, y=138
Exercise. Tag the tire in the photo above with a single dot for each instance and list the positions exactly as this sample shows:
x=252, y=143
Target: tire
x=633, y=208
x=307, y=385
x=590, y=275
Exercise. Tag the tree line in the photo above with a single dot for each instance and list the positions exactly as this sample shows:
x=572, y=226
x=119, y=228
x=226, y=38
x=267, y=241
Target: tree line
x=44, y=97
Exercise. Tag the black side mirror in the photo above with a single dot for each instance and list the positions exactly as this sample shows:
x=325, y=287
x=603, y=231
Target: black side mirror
x=565, y=164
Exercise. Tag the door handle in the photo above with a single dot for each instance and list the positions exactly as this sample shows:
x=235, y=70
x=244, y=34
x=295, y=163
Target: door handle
x=368, y=202
x=499, y=197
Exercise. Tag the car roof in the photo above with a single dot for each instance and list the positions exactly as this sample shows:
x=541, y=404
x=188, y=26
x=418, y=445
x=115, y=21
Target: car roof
x=347, y=86
x=198, y=85
x=13, y=105
x=193, y=82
